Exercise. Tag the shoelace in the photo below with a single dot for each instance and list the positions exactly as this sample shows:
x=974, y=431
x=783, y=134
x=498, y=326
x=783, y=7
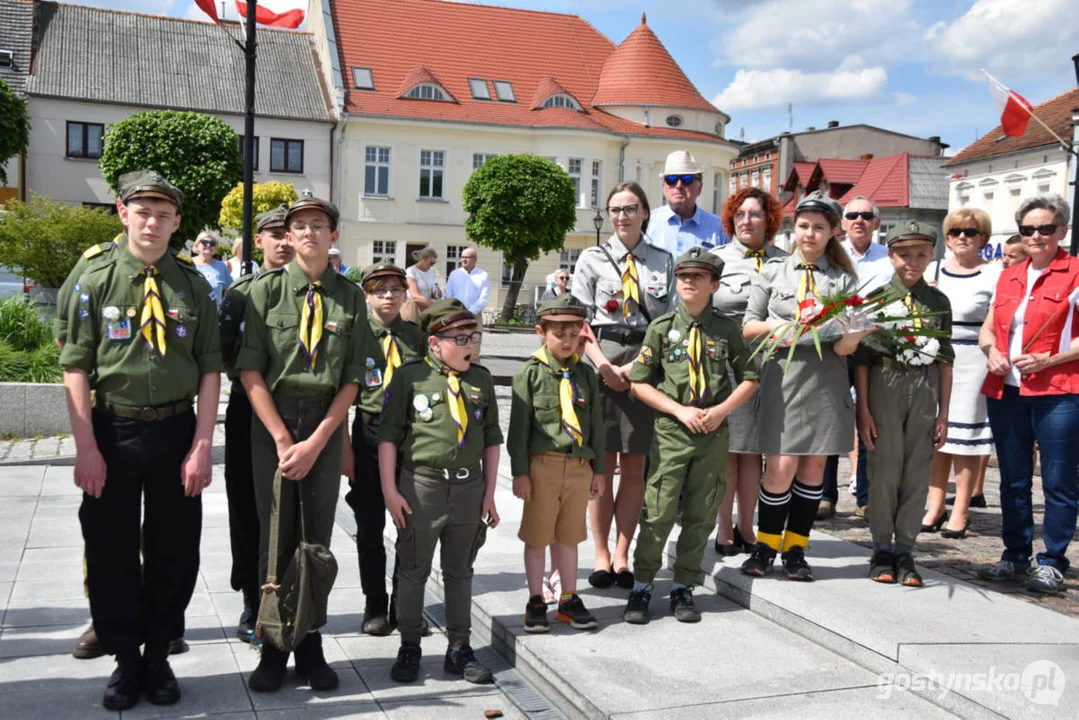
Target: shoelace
x=1047, y=572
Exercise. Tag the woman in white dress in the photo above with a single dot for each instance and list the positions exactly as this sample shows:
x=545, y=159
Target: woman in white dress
x=422, y=279
x=968, y=281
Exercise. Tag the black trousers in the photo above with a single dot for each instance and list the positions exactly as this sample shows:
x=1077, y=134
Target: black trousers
x=240, y=490
x=132, y=602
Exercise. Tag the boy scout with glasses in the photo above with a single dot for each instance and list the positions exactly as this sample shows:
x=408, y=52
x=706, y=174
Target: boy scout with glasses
x=681, y=372
x=270, y=238
x=142, y=335
x=442, y=414
x=399, y=342
x=304, y=346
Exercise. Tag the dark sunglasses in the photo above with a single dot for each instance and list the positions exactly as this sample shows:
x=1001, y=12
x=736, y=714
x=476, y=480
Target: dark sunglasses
x=1043, y=230
x=865, y=215
x=208, y=243
x=672, y=180
x=969, y=232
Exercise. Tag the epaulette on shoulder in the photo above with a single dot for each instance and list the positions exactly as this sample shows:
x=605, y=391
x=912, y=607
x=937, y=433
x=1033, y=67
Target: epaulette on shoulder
x=777, y=260
x=185, y=259
x=100, y=249
x=663, y=250
x=665, y=317
x=412, y=361
x=267, y=274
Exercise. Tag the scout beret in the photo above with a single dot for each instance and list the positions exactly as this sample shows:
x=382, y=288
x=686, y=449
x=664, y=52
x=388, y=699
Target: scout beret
x=150, y=184
x=911, y=230
x=697, y=258
x=564, y=308
x=819, y=202
x=373, y=272
x=313, y=203
x=271, y=218
x=440, y=314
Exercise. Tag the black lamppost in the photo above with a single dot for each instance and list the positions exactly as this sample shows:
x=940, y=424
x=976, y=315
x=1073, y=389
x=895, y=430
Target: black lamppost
x=597, y=221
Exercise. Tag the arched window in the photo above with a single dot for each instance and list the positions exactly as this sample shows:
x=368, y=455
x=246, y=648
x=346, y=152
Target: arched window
x=427, y=91
x=561, y=100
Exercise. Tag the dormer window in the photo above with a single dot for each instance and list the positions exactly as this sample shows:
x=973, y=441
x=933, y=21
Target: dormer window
x=362, y=79
x=561, y=100
x=427, y=91
x=504, y=91
x=479, y=89
x=674, y=120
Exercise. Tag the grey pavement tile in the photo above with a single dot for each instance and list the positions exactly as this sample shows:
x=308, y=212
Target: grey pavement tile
x=204, y=630
x=345, y=611
x=44, y=590
x=8, y=570
x=71, y=698
x=5, y=593
x=211, y=685
x=56, y=564
x=60, y=482
x=22, y=642
x=28, y=614
x=349, y=710
x=21, y=481
x=45, y=673
x=445, y=708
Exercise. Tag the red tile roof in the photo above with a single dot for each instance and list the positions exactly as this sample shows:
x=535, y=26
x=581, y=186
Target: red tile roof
x=547, y=87
x=841, y=172
x=886, y=181
x=1056, y=113
x=417, y=75
x=457, y=41
x=800, y=174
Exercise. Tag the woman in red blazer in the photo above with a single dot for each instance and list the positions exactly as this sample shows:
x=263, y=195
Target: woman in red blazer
x=1030, y=340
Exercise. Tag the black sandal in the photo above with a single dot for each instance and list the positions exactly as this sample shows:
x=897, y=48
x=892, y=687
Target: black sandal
x=601, y=579
x=623, y=578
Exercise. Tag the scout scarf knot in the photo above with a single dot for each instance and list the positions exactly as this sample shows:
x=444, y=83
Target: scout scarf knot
x=152, y=321
x=758, y=255
x=915, y=315
x=807, y=285
x=567, y=399
x=311, y=323
x=697, y=388
x=631, y=286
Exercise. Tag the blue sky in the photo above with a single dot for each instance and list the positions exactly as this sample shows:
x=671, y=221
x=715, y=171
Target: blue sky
x=907, y=65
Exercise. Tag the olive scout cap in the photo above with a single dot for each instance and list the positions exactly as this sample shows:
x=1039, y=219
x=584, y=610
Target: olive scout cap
x=911, y=230
x=313, y=203
x=443, y=314
x=382, y=270
x=271, y=218
x=149, y=184
x=819, y=202
x=564, y=308
x=697, y=258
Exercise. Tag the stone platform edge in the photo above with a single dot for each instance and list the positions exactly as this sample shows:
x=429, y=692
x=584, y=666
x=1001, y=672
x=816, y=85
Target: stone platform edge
x=33, y=409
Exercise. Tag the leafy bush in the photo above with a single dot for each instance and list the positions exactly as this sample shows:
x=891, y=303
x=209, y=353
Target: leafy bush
x=20, y=326
x=27, y=352
x=44, y=365
x=264, y=196
x=14, y=128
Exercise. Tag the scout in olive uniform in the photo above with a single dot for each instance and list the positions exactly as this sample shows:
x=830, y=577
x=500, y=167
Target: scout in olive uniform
x=682, y=372
x=903, y=410
x=301, y=363
x=441, y=413
x=142, y=335
x=91, y=256
x=555, y=443
x=239, y=481
x=398, y=342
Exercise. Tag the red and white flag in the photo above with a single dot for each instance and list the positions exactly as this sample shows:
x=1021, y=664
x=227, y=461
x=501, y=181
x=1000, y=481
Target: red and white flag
x=1014, y=108
x=276, y=13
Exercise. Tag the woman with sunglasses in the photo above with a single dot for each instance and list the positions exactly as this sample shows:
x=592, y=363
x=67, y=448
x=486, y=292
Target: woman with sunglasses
x=215, y=271
x=751, y=218
x=1031, y=340
x=561, y=279
x=969, y=282
x=625, y=283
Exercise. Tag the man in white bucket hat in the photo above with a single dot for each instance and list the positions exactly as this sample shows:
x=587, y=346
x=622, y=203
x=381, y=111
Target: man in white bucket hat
x=681, y=224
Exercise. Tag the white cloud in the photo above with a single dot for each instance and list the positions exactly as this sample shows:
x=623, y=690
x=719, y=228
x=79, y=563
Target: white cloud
x=902, y=98
x=752, y=89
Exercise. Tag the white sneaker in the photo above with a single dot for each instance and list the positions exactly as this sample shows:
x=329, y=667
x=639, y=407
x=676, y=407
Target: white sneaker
x=852, y=488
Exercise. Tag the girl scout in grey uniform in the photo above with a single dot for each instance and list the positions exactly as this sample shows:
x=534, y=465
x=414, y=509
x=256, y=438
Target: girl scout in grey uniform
x=751, y=218
x=625, y=283
x=806, y=412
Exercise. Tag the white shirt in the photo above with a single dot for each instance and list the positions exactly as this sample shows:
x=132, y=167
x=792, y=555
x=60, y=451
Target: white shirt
x=426, y=281
x=874, y=268
x=1015, y=334
x=473, y=289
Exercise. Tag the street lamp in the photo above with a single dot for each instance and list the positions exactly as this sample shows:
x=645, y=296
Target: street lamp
x=597, y=221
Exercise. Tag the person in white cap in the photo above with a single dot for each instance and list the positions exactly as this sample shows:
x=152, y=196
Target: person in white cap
x=681, y=224
x=335, y=260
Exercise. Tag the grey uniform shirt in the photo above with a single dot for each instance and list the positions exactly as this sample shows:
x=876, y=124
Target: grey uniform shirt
x=739, y=272
x=597, y=281
x=774, y=295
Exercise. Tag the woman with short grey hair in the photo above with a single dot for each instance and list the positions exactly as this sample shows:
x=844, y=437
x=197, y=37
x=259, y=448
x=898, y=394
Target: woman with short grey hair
x=422, y=279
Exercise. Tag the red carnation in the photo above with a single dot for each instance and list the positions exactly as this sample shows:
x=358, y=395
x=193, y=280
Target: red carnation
x=910, y=338
x=611, y=306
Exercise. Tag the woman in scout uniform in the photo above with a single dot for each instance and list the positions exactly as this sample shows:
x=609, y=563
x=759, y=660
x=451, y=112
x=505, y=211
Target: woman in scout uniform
x=625, y=283
x=442, y=414
x=301, y=363
x=806, y=411
x=142, y=335
x=687, y=383
x=398, y=341
x=751, y=218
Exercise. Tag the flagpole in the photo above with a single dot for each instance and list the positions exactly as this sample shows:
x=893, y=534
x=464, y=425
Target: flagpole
x=249, y=138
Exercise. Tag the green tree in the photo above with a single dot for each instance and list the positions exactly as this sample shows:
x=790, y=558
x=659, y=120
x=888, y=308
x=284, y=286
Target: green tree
x=198, y=153
x=14, y=127
x=264, y=196
x=45, y=238
x=522, y=206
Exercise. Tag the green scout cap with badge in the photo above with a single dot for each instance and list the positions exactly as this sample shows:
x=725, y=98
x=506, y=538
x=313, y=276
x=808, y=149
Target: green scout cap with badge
x=271, y=218
x=911, y=230
x=313, y=203
x=564, y=308
x=381, y=270
x=819, y=202
x=148, y=184
x=697, y=258
x=442, y=314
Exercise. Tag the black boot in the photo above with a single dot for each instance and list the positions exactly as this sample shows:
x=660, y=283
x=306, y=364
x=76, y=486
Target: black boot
x=270, y=673
x=311, y=663
x=245, y=629
x=375, y=619
x=122, y=691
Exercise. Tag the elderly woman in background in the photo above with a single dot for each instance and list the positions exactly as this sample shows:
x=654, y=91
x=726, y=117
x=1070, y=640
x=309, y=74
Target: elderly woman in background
x=969, y=282
x=561, y=279
x=215, y=271
x=1031, y=340
x=751, y=218
x=422, y=279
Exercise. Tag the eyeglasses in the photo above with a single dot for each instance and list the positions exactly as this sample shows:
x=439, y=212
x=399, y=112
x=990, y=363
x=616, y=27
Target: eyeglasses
x=208, y=243
x=628, y=210
x=672, y=180
x=299, y=227
x=969, y=232
x=380, y=291
x=1043, y=230
x=748, y=215
x=461, y=340
x=865, y=215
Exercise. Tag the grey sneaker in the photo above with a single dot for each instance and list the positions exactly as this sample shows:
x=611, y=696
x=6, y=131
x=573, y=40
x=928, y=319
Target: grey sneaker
x=1045, y=579
x=636, y=612
x=1003, y=571
x=682, y=606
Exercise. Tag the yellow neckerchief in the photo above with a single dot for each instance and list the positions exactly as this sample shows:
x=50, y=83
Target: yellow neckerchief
x=567, y=397
x=760, y=255
x=311, y=323
x=152, y=321
x=806, y=284
x=631, y=286
x=454, y=400
x=697, y=387
x=909, y=302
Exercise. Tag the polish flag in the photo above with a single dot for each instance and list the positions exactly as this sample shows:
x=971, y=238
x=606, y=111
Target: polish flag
x=1014, y=108
x=275, y=13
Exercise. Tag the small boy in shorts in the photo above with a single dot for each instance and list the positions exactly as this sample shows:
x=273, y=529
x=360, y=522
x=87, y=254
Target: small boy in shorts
x=555, y=443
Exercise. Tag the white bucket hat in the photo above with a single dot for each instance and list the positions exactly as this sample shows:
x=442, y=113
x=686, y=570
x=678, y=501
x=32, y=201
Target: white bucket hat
x=681, y=162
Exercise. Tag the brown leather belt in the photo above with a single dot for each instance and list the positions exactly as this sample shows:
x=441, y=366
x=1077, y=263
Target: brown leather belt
x=146, y=414
x=442, y=473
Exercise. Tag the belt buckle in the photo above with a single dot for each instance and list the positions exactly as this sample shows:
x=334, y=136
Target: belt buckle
x=148, y=414
x=462, y=473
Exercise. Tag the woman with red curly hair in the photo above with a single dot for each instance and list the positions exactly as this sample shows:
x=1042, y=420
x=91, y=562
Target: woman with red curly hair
x=751, y=218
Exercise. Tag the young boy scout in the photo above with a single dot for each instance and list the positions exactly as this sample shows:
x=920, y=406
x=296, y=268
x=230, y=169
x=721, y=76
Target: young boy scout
x=302, y=360
x=239, y=482
x=442, y=414
x=555, y=442
x=142, y=334
x=903, y=411
x=681, y=372
x=399, y=342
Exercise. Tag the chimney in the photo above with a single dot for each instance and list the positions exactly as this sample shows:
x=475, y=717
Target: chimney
x=866, y=157
x=1075, y=61
x=833, y=123
x=810, y=128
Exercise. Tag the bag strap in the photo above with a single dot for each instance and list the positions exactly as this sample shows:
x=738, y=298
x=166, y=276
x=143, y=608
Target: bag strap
x=275, y=530
x=640, y=306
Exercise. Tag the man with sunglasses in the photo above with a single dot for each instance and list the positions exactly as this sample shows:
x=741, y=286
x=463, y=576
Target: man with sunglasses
x=681, y=223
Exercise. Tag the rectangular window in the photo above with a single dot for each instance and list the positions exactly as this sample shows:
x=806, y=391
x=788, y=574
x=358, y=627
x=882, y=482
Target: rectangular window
x=479, y=88
x=85, y=140
x=383, y=251
x=568, y=259
x=574, y=170
x=597, y=175
x=478, y=159
x=756, y=181
x=766, y=181
x=504, y=90
x=286, y=156
x=431, y=163
x=453, y=258
x=507, y=271
x=376, y=171
x=255, y=161
x=362, y=78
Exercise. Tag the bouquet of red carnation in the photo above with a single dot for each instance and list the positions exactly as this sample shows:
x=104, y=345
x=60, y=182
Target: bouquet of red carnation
x=908, y=337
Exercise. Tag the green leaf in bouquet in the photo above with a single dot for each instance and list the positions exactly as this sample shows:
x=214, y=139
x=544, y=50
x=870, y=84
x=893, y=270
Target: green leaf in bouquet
x=816, y=343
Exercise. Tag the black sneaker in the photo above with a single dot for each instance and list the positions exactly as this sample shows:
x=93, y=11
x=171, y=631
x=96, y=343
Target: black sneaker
x=882, y=567
x=636, y=612
x=760, y=562
x=462, y=661
x=794, y=562
x=682, y=606
x=536, y=615
x=574, y=612
x=906, y=573
x=407, y=667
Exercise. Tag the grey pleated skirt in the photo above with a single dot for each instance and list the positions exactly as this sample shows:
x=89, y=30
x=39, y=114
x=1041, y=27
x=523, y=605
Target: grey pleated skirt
x=628, y=423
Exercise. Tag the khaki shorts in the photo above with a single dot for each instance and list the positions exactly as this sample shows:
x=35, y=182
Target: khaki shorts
x=556, y=512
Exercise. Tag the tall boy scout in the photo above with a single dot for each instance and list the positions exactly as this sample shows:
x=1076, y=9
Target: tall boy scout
x=681, y=371
x=903, y=411
x=301, y=364
x=142, y=335
x=239, y=481
x=399, y=342
x=443, y=416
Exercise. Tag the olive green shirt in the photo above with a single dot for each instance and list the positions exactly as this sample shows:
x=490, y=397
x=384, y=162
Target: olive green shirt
x=926, y=300
x=664, y=357
x=411, y=343
x=103, y=335
x=93, y=255
x=231, y=321
x=271, y=336
x=536, y=415
x=417, y=419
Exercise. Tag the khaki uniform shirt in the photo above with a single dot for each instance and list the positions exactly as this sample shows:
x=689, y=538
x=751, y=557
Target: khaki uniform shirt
x=597, y=281
x=412, y=344
x=926, y=300
x=231, y=322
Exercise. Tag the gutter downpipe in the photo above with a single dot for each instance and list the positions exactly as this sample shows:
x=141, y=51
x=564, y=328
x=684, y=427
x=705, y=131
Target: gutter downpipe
x=622, y=159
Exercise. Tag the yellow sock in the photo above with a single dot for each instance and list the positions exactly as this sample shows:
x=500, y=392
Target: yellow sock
x=770, y=539
x=793, y=539
x=565, y=597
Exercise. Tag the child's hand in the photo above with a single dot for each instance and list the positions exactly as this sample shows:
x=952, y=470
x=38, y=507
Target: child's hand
x=596, y=488
x=522, y=487
x=714, y=417
x=940, y=430
x=692, y=418
x=867, y=426
x=348, y=461
x=398, y=507
x=490, y=512
x=299, y=459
